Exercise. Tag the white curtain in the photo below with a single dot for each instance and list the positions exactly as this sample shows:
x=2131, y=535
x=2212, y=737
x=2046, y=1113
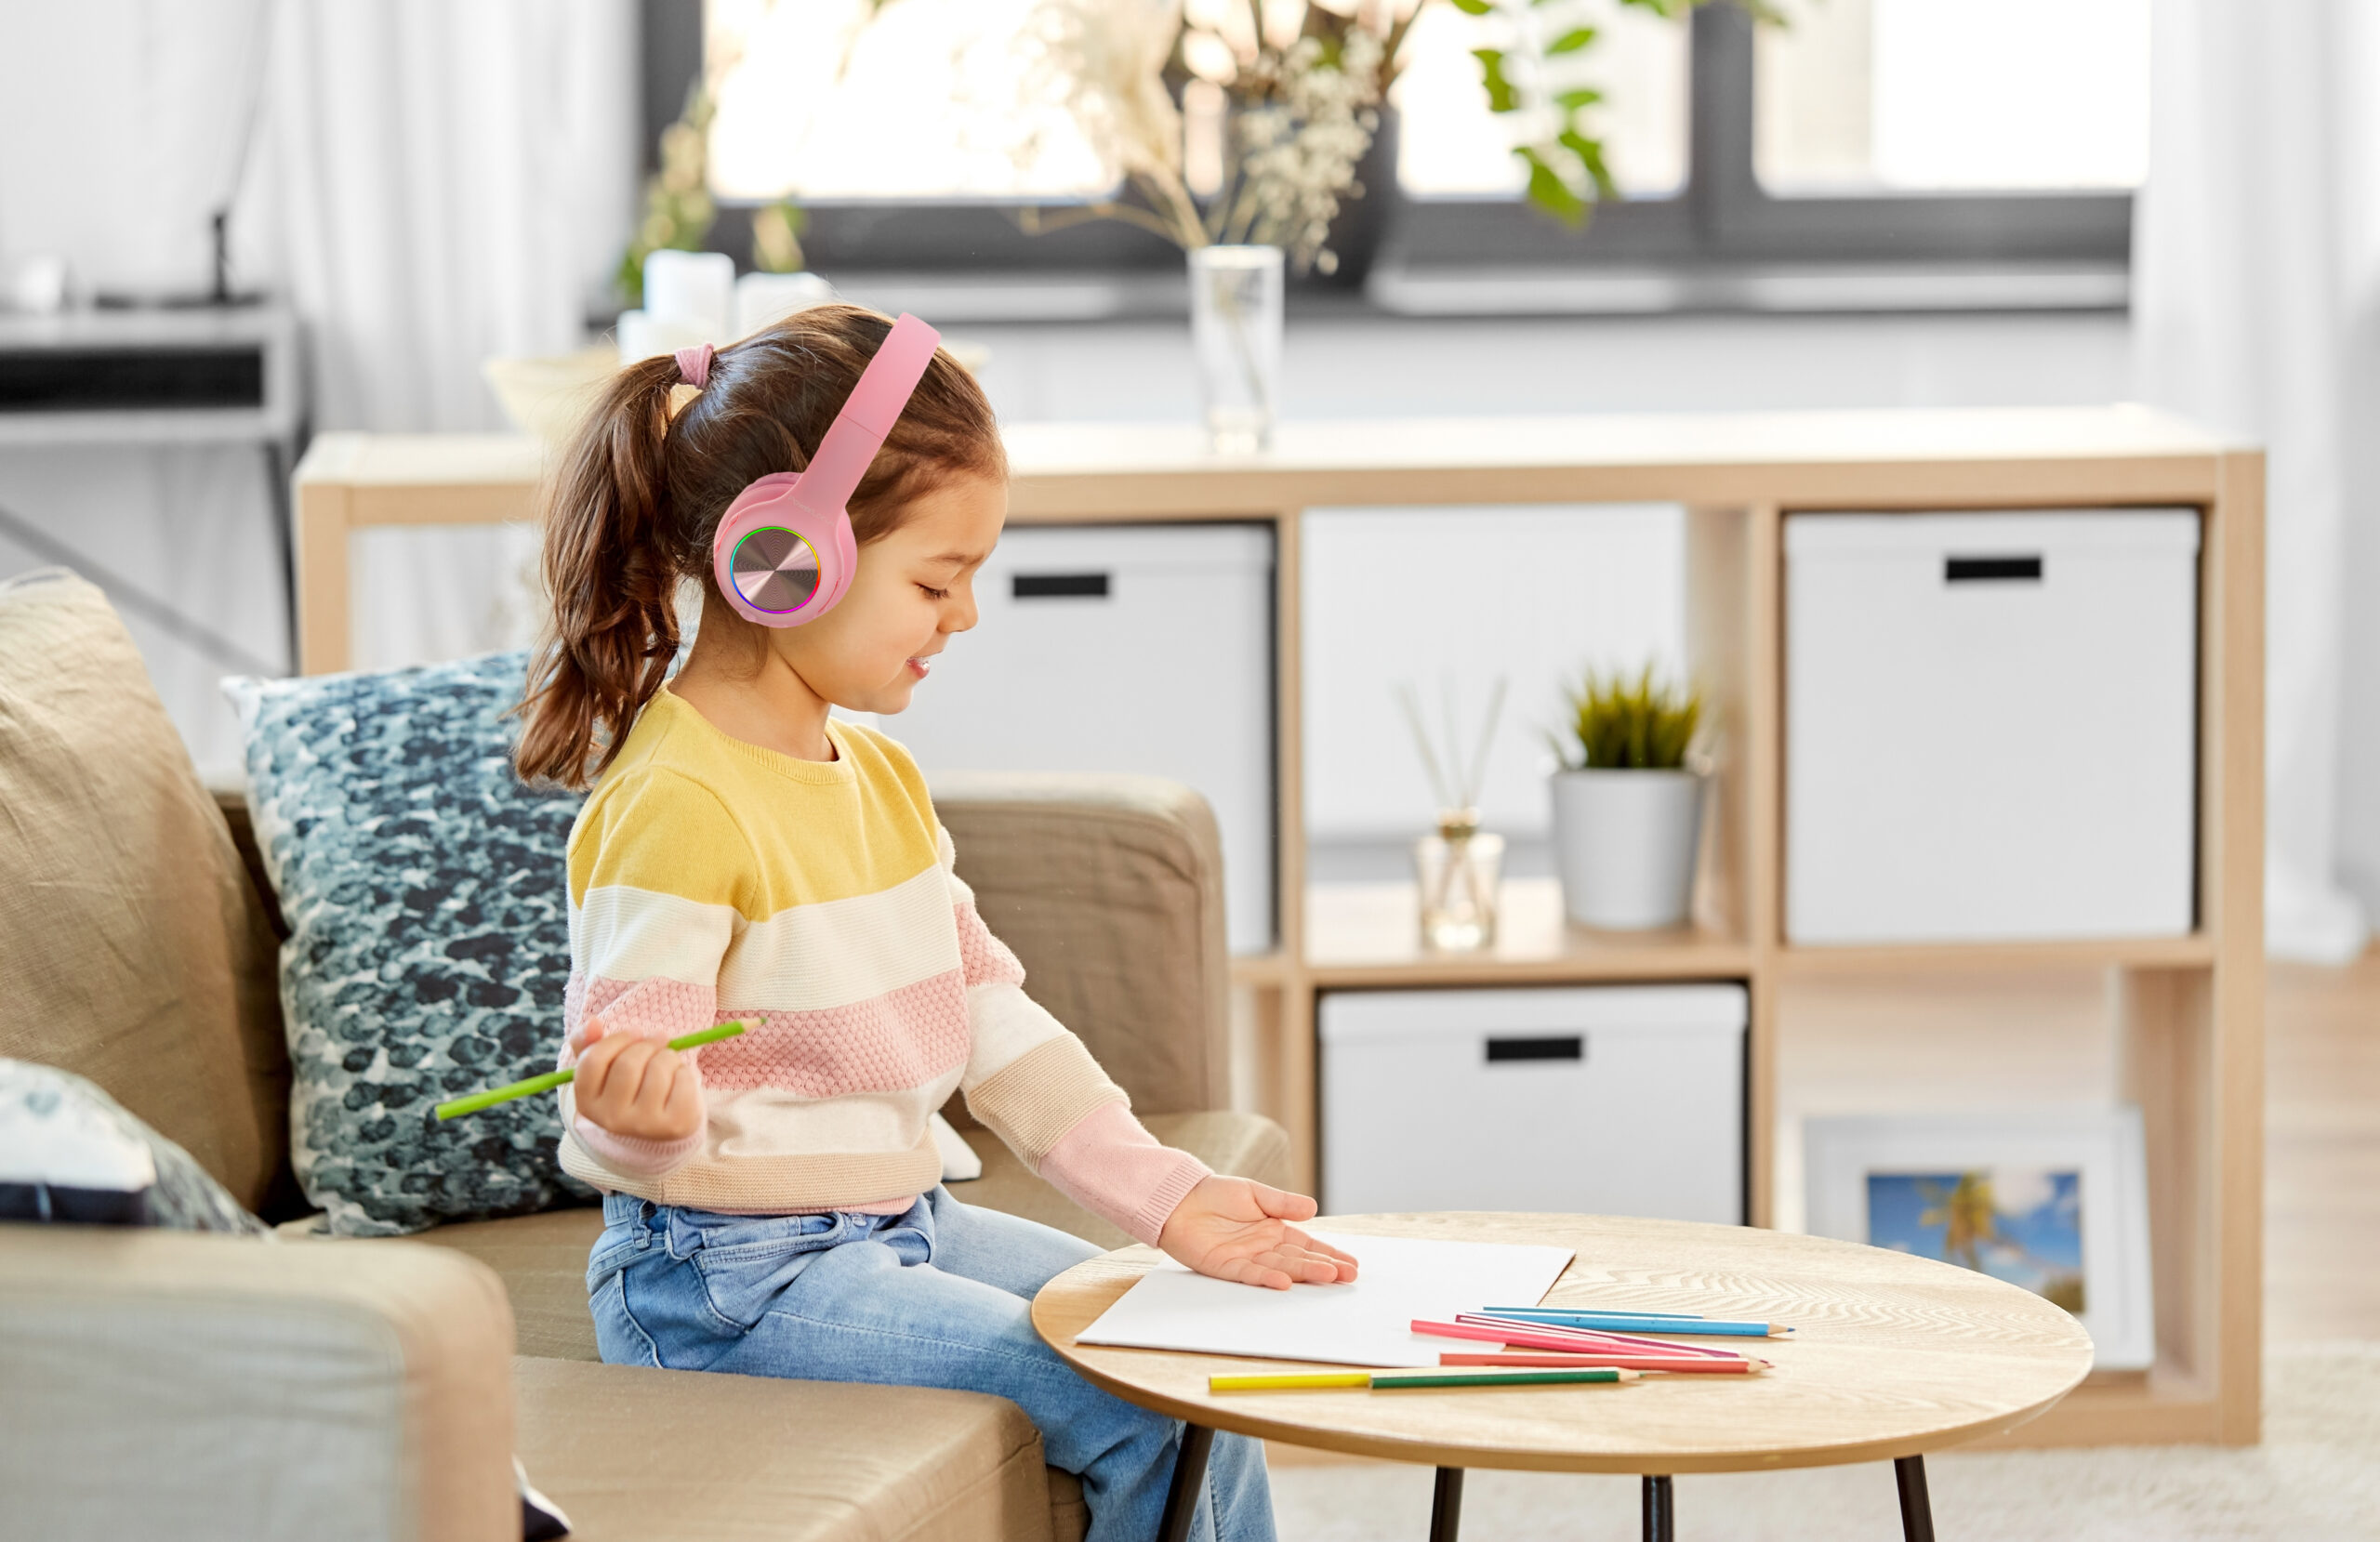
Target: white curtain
x=2255, y=275
x=430, y=183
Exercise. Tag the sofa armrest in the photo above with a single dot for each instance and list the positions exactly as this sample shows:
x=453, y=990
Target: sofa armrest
x=166, y=1383
x=1109, y=889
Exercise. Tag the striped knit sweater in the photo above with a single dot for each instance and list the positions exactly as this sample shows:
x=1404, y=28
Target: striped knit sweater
x=712, y=880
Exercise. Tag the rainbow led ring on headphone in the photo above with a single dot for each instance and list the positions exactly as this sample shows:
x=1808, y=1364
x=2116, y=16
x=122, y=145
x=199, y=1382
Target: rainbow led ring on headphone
x=784, y=554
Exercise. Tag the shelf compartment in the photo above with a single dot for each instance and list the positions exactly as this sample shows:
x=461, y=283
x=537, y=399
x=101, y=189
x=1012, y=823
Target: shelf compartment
x=1369, y=935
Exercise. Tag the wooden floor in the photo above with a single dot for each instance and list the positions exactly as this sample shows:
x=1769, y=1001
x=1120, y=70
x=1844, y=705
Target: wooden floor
x=2322, y=1156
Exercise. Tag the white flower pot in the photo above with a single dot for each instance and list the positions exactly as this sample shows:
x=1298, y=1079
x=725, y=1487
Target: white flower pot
x=1624, y=844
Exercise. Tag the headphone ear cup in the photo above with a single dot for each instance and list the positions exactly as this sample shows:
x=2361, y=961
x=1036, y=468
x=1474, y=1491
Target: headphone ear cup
x=777, y=564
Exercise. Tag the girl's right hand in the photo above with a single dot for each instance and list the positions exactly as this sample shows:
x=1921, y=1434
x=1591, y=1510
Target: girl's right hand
x=636, y=1088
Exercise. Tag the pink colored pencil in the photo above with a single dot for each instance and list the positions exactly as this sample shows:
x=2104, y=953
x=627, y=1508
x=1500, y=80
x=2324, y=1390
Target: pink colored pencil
x=1501, y=1334
x=1594, y=1336
x=1624, y=1362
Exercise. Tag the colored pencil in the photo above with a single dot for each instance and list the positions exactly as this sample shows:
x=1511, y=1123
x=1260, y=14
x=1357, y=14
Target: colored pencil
x=1489, y=1378
x=1623, y=1362
x=1566, y=1343
x=1552, y=1337
x=1306, y=1381
x=1640, y=1321
x=1585, y=1311
x=456, y=1108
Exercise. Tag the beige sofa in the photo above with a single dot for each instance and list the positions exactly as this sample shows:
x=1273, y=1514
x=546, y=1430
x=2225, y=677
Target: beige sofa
x=156, y=1383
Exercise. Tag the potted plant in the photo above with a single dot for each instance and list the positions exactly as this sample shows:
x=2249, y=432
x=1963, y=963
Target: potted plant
x=1628, y=802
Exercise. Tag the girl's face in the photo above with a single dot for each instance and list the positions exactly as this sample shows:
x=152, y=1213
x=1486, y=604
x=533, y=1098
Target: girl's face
x=914, y=588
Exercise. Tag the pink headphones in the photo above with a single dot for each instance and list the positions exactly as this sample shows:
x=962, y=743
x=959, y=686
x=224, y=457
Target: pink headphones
x=784, y=554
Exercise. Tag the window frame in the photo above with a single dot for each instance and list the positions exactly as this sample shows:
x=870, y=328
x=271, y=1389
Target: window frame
x=1722, y=242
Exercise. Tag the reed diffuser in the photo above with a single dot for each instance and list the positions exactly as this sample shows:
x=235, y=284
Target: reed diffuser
x=1457, y=869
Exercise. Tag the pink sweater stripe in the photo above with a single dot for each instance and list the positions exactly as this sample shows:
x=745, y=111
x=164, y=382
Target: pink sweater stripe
x=1111, y=1166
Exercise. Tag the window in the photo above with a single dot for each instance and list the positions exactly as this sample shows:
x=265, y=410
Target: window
x=1862, y=95
x=1870, y=155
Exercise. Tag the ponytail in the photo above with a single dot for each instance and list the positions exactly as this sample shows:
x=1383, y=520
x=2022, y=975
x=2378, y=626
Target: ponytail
x=614, y=586
x=632, y=507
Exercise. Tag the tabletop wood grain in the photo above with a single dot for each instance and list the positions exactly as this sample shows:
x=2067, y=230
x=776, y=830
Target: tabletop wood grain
x=1893, y=1356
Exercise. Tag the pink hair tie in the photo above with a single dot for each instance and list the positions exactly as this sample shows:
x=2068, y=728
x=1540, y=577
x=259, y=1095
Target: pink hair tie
x=694, y=365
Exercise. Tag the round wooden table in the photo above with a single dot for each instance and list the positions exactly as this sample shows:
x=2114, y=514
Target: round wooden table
x=1892, y=1356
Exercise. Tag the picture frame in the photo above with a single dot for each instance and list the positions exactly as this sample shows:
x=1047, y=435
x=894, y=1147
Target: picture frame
x=2053, y=1200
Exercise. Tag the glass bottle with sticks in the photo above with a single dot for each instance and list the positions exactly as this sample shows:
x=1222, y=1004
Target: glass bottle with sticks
x=1457, y=869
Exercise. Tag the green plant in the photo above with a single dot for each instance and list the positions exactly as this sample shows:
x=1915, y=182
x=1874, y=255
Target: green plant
x=1635, y=722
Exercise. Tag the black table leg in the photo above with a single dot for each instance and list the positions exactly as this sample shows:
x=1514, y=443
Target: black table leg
x=1916, y=1511
x=1446, y=1505
x=1189, y=1477
x=1661, y=1511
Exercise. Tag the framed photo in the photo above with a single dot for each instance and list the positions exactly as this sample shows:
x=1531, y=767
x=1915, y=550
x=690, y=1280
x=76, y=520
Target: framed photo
x=2055, y=1200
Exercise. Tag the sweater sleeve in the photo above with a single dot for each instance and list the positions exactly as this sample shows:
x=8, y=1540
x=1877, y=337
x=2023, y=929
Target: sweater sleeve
x=654, y=877
x=1038, y=1089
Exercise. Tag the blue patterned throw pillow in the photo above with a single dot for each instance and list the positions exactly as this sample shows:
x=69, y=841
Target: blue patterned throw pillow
x=424, y=891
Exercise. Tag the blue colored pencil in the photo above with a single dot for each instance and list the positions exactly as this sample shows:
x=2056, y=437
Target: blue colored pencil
x=1639, y=1322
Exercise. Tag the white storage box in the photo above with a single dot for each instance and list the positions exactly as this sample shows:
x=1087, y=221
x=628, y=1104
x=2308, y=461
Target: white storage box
x=1990, y=725
x=1602, y=1099
x=1123, y=648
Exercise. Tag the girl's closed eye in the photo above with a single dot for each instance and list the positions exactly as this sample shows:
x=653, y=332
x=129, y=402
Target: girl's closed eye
x=933, y=593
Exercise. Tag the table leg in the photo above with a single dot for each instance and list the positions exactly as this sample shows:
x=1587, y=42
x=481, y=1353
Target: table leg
x=1446, y=1505
x=1661, y=1511
x=1189, y=1477
x=1916, y=1509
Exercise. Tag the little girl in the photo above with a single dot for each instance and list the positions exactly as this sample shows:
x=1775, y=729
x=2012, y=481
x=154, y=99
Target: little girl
x=773, y=1203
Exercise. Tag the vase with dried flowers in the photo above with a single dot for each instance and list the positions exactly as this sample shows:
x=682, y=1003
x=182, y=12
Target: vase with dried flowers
x=1295, y=92
x=1457, y=870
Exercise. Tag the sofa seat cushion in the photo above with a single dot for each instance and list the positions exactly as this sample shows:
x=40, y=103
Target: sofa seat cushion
x=542, y=1261
x=1237, y=1145
x=638, y=1455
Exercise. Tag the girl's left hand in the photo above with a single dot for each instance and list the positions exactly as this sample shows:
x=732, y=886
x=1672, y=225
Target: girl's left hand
x=1236, y=1230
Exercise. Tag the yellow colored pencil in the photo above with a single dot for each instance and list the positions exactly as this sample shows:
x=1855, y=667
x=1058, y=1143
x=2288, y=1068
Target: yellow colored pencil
x=1300, y=1381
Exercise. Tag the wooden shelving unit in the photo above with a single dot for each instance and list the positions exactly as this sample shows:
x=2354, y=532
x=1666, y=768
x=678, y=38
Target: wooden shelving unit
x=2187, y=1010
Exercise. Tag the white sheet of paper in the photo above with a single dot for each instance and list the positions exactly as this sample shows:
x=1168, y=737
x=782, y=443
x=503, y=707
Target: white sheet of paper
x=1366, y=1323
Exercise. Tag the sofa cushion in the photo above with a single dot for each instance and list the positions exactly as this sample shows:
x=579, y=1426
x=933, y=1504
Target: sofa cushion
x=70, y=1152
x=639, y=1454
x=423, y=886
x=1109, y=890
x=133, y=950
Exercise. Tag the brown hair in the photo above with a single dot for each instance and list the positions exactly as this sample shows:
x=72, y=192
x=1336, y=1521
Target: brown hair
x=639, y=493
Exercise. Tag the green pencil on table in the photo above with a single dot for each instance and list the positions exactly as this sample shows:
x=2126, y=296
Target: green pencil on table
x=1381, y=1381
x=456, y=1108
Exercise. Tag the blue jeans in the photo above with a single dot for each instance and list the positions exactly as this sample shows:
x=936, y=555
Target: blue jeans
x=939, y=1296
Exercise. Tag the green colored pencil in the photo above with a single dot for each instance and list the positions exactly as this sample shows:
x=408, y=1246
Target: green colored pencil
x=1497, y=1379
x=456, y=1108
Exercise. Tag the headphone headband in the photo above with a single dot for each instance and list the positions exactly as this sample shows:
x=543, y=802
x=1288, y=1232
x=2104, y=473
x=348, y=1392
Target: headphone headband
x=860, y=429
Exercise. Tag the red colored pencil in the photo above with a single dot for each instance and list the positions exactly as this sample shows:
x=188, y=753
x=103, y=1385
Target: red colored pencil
x=1624, y=1362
